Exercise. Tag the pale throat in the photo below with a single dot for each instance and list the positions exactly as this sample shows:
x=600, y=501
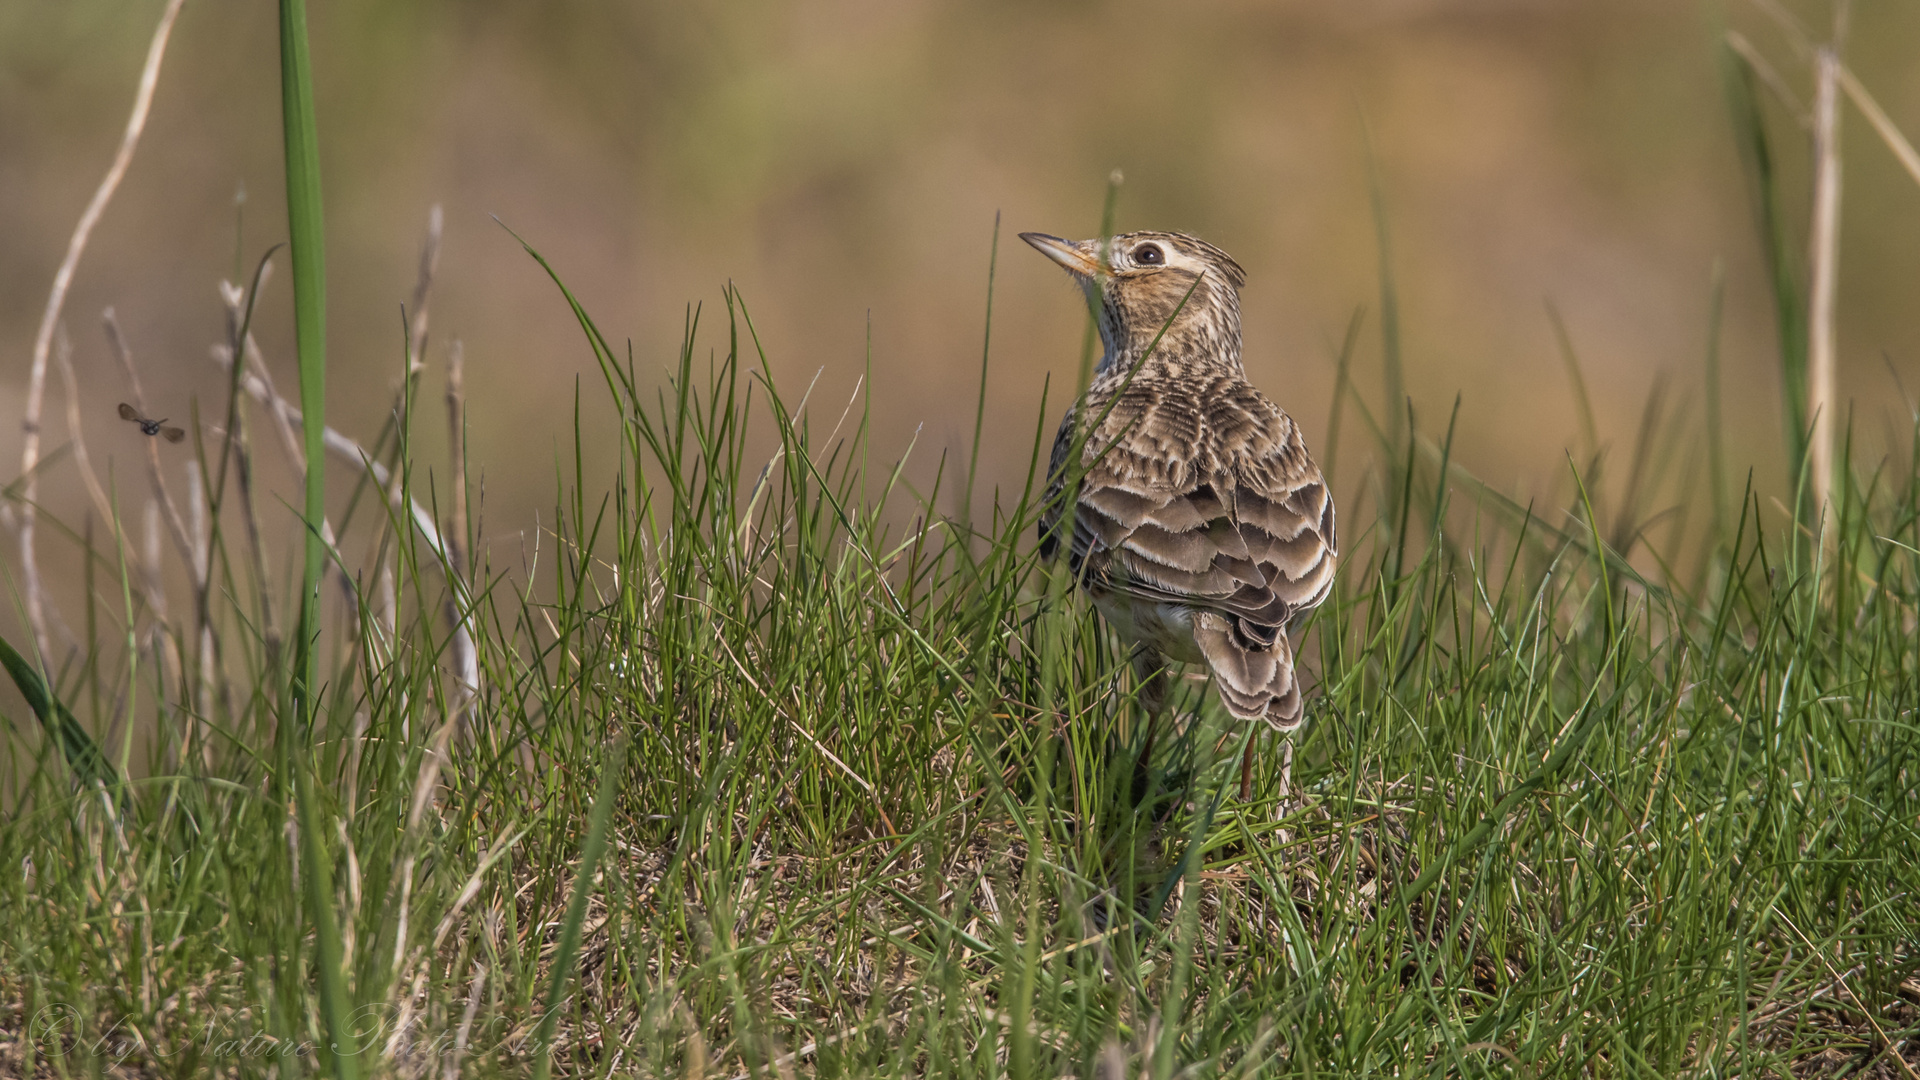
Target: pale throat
x=1210, y=335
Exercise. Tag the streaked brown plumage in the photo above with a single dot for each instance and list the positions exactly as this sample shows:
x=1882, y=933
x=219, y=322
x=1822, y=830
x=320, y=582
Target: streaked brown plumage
x=1202, y=526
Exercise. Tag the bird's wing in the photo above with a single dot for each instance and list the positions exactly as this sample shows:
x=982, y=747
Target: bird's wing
x=1200, y=495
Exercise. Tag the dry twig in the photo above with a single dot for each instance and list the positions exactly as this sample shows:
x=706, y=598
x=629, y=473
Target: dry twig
x=57, y=298
x=63, y=354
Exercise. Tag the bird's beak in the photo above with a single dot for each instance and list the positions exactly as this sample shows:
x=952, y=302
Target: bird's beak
x=1065, y=252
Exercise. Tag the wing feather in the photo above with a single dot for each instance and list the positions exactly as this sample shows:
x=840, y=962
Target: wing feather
x=1199, y=494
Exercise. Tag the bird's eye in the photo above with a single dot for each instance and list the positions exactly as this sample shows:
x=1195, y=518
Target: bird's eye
x=1149, y=255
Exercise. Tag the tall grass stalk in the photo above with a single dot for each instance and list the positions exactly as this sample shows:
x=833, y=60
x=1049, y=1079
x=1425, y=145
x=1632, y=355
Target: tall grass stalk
x=307, y=252
x=1773, y=226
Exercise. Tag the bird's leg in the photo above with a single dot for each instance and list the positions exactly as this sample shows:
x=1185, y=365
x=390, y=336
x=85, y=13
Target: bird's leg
x=1246, y=765
x=1286, y=768
x=1286, y=789
x=1151, y=671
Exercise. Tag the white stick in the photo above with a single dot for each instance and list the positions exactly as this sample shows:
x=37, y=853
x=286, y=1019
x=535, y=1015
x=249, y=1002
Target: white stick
x=1825, y=259
x=62, y=280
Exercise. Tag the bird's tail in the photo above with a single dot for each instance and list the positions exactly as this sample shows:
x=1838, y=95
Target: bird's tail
x=1253, y=666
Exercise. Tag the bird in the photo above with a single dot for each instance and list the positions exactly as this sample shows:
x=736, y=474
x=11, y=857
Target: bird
x=1200, y=526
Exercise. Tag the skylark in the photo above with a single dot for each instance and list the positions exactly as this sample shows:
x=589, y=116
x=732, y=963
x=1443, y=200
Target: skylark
x=1201, y=526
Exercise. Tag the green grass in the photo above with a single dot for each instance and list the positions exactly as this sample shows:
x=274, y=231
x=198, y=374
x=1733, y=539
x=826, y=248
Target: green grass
x=306, y=250
x=865, y=798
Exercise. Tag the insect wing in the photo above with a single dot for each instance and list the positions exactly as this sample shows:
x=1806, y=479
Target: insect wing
x=173, y=434
x=128, y=412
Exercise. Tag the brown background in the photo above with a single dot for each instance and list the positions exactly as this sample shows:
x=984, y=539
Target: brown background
x=847, y=157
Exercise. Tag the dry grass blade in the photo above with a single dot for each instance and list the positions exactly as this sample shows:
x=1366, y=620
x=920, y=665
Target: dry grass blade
x=489, y=856
x=1759, y=66
x=1824, y=258
x=261, y=390
x=1883, y=125
x=423, y=288
x=63, y=354
x=344, y=448
x=465, y=1031
x=466, y=661
x=1796, y=34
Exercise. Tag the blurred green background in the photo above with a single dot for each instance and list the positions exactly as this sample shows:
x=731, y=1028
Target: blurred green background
x=845, y=158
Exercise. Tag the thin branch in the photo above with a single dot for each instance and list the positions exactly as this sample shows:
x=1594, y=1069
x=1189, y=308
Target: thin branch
x=57, y=298
x=63, y=354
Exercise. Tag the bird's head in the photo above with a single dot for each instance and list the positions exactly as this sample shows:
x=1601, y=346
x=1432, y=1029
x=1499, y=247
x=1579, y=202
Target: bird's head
x=1141, y=282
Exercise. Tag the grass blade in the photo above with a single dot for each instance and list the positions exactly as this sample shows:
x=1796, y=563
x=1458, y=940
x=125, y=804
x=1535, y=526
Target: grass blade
x=1776, y=243
x=308, y=254
x=980, y=407
x=561, y=975
x=82, y=754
